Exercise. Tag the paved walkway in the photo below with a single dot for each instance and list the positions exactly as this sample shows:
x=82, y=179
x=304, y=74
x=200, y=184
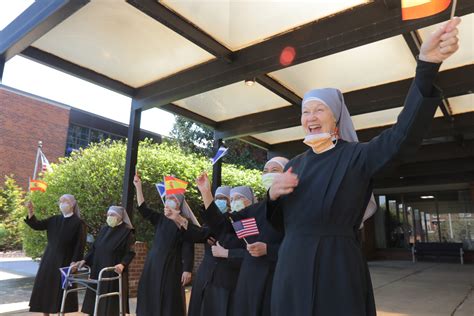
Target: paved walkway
x=401, y=288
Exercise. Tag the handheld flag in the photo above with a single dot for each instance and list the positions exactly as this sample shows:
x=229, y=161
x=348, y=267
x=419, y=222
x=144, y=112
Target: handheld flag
x=417, y=9
x=246, y=227
x=160, y=187
x=221, y=152
x=38, y=185
x=65, y=271
x=175, y=186
x=45, y=166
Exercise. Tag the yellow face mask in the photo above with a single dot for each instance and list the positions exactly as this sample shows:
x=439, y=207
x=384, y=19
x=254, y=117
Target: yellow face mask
x=321, y=142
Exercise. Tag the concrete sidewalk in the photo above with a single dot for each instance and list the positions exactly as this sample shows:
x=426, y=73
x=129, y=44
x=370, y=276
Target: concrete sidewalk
x=401, y=288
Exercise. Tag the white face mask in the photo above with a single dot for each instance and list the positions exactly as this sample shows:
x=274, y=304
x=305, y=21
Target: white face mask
x=112, y=221
x=267, y=179
x=237, y=205
x=171, y=204
x=65, y=208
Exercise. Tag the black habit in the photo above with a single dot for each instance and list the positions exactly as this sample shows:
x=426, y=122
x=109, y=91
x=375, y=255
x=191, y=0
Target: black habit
x=66, y=241
x=112, y=246
x=216, y=278
x=159, y=291
x=321, y=270
x=253, y=290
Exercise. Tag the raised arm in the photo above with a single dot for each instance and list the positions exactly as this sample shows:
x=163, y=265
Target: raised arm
x=403, y=138
x=147, y=213
x=33, y=222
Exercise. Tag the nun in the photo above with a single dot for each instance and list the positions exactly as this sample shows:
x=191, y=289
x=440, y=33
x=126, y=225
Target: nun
x=169, y=262
x=322, y=195
x=66, y=235
x=216, y=277
x=253, y=290
x=112, y=248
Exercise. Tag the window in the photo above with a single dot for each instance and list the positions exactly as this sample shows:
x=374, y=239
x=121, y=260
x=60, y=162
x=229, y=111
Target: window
x=80, y=137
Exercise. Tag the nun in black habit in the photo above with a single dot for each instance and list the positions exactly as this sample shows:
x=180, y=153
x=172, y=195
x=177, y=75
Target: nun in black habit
x=253, y=290
x=321, y=197
x=111, y=248
x=66, y=235
x=216, y=278
x=169, y=262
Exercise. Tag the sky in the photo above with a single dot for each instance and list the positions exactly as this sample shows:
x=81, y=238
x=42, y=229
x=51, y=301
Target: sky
x=29, y=76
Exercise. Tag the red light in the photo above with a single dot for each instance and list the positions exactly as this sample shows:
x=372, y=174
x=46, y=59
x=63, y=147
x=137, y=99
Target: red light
x=287, y=56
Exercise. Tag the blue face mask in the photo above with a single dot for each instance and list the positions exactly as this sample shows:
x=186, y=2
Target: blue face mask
x=222, y=205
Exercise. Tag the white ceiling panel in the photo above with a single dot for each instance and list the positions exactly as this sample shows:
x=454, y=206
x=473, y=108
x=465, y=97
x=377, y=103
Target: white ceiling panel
x=115, y=39
x=365, y=66
x=232, y=101
x=240, y=23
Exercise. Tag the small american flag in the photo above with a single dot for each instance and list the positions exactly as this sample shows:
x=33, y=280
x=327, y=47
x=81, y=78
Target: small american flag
x=246, y=227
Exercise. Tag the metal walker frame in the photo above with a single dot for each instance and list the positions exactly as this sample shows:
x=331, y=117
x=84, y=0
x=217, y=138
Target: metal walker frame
x=81, y=278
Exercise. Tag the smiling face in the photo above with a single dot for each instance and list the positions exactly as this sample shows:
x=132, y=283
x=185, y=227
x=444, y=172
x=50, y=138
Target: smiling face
x=317, y=118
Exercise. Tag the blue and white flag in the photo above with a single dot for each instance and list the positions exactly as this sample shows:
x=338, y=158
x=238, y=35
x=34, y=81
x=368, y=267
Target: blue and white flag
x=221, y=152
x=65, y=271
x=160, y=187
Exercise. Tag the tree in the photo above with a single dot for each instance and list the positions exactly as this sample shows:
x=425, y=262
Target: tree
x=197, y=138
x=12, y=211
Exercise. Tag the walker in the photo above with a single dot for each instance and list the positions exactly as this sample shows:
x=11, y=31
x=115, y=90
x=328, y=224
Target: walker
x=82, y=279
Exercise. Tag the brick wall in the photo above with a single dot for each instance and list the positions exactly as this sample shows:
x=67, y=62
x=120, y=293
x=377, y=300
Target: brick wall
x=24, y=121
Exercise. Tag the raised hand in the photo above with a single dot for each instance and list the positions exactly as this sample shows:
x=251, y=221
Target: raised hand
x=31, y=210
x=283, y=183
x=442, y=43
x=137, y=182
x=203, y=183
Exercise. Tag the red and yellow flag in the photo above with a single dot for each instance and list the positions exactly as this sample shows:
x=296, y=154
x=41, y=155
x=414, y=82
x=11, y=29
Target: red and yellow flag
x=175, y=186
x=416, y=9
x=38, y=185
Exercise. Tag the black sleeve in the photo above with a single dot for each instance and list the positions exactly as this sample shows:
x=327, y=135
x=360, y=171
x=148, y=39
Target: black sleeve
x=129, y=251
x=195, y=234
x=149, y=214
x=217, y=222
x=78, y=253
x=36, y=224
x=403, y=138
x=187, y=252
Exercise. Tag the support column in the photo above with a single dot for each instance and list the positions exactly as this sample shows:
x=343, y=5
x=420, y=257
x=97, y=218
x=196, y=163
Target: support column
x=2, y=68
x=128, y=191
x=217, y=168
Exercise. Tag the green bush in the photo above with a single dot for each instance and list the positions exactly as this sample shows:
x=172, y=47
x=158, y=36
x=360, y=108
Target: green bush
x=95, y=176
x=12, y=210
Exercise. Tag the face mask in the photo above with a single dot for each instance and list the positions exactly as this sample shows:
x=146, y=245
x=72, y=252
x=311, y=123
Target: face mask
x=65, y=208
x=236, y=206
x=171, y=204
x=112, y=221
x=222, y=205
x=320, y=142
x=267, y=180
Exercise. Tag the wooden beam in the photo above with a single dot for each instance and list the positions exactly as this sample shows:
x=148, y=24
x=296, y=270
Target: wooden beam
x=355, y=27
x=280, y=90
x=183, y=27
